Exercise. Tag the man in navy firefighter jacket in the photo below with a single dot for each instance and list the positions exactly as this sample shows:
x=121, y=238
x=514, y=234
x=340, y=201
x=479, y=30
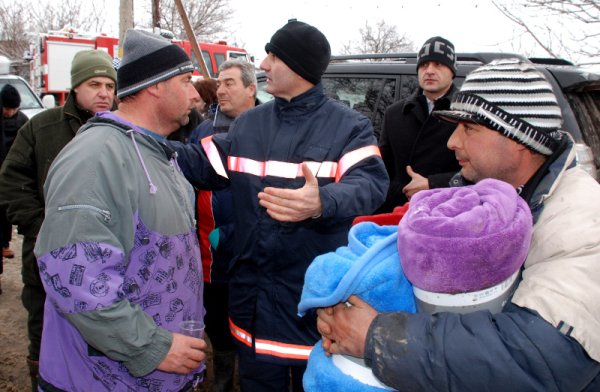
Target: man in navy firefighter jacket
x=300, y=167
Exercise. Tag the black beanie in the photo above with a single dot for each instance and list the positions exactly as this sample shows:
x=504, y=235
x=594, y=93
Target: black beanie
x=438, y=49
x=10, y=97
x=303, y=48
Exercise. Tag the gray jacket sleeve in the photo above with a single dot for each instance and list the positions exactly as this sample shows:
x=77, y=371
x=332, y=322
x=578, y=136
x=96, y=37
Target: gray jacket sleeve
x=515, y=350
x=123, y=332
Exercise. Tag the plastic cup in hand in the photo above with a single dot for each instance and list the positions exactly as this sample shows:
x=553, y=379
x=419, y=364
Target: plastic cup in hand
x=193, y=328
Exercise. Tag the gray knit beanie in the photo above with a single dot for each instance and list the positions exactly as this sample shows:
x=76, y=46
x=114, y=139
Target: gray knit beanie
x=147, y=60
x=513, y=98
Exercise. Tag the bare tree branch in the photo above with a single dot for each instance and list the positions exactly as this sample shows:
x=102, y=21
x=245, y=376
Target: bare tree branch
x=563, y=28
x=207, y=17
x=382, y=38
x=13, y=30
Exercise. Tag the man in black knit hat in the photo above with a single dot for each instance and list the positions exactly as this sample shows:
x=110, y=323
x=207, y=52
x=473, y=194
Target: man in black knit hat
x=301, y=167
x=13, y=120
x=413, y=142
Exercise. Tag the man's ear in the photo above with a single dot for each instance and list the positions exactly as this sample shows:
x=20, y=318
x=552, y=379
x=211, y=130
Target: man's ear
x=155, y=90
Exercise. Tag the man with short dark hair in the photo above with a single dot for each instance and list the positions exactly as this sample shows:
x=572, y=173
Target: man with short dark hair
x=413, y=142
x=300, y=167
x=24, y=171
x=508, y=127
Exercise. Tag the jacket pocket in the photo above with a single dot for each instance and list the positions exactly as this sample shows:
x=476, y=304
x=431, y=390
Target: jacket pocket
x=105, y=214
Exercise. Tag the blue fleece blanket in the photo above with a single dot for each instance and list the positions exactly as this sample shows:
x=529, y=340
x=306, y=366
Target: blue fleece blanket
x=368, y=267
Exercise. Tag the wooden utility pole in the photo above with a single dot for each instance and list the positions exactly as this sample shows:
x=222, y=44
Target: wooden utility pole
x=125, y=21
x=156, y=15
x=192, y=39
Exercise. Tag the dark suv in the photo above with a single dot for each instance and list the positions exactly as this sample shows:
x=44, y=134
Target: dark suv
x=371, y=83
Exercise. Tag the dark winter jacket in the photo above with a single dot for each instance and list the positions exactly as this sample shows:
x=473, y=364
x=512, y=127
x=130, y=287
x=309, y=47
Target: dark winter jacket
x=411, y=136
x=545, y=339
x=215, y=211
x=11, y=126
x=25, y=169
x=264, y=148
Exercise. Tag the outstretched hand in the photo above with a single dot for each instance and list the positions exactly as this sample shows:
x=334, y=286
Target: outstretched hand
x=344, y=327
x=418, y=183
x=293, y=205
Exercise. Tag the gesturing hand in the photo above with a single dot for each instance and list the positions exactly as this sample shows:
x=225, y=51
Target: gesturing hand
x=417, y=183
x=293, y=205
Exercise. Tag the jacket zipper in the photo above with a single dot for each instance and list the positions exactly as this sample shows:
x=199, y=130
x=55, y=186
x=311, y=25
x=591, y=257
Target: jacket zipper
x=104, y=213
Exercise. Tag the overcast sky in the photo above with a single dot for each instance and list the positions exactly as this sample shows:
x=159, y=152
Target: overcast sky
x=472, y=25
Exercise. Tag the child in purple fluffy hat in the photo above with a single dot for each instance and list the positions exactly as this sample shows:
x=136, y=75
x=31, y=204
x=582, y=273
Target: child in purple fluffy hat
x=461, y=248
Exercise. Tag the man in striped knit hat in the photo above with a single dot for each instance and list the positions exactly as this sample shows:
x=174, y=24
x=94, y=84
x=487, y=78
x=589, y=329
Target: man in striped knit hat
x=546, y=337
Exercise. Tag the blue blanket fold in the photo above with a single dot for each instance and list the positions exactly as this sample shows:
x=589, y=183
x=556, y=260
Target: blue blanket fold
x=370, y=268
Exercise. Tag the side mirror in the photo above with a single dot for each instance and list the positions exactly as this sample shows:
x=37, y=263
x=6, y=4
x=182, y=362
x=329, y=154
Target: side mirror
x=48, y=101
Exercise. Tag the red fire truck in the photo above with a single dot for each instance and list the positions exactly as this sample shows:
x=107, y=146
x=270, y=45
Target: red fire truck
x=54, y=52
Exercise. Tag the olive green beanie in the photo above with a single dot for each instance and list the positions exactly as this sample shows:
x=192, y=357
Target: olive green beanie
x=91, y=63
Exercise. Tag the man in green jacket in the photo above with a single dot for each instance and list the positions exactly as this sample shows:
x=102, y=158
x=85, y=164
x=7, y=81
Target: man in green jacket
x=24, y=171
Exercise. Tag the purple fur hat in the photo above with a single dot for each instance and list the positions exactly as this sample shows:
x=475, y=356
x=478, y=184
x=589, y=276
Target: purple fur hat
x=465, y=239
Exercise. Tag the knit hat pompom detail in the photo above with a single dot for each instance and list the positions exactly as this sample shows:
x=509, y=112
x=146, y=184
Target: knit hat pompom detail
x=303, y=48
x=513, y=98
x=148, y=59
x=91, y=63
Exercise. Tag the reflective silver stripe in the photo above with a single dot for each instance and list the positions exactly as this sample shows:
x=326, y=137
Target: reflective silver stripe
x=213, y=156
x=282, y=349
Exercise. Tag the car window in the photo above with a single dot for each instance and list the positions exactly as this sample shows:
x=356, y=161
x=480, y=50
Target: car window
x=370, y=96
x=261, y=94
x=408, y=86
x=28, y=98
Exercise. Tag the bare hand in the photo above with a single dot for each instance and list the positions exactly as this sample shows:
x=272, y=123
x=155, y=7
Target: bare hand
x=184, y=356
x=344, y=329
x=293, y=205
x=418, y=183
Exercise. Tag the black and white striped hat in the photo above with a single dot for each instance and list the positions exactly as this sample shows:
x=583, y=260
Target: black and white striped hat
x=147, y=60
x=511, y=97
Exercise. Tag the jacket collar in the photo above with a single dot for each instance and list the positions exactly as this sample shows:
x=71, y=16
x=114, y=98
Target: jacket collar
x=419, y=101
x=545, y=180
x=70, y=109
x=304, y=103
